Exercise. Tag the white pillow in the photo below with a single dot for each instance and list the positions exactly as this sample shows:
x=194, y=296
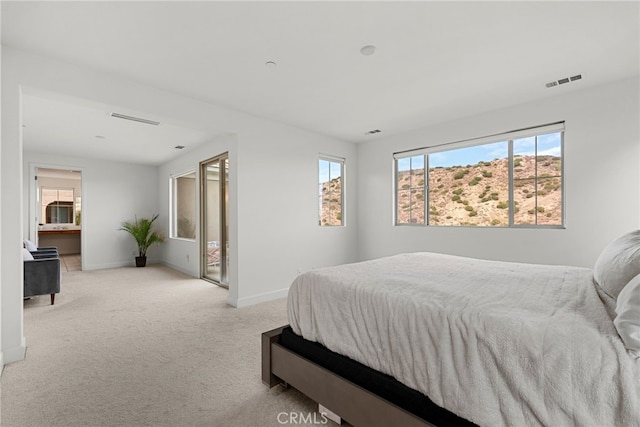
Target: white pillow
x=618, y=263
x=26, y=255
x=627, y=319
x=30, y=246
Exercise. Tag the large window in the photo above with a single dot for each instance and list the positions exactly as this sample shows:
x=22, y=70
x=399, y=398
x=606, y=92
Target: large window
x=183, y=206
x=330, y=191
x=510, y=180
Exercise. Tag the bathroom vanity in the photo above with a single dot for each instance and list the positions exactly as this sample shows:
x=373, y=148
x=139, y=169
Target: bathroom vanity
x=66, y=240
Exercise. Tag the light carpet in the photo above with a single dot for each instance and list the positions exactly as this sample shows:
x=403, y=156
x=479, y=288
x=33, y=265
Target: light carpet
x=144, y=347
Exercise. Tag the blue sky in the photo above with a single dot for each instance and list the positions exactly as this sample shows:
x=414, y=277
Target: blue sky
x=328, y=170
x=547, y=145
x=469, y=155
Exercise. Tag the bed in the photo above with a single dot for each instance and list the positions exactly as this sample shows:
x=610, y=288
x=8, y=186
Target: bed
x=493, y=343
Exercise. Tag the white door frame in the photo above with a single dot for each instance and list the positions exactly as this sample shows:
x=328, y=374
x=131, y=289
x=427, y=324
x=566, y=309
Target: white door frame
x=32, y=222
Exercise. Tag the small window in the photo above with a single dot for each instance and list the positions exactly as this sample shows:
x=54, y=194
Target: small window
x=183, y=206
x=57, y=205
x=509, y=180
x=330, y=192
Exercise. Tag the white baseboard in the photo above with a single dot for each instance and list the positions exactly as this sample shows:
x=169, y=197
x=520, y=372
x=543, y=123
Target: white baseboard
x=14, y=354
x=256, y=299
x=108, y=265
x=121, y=264
x=180, y=269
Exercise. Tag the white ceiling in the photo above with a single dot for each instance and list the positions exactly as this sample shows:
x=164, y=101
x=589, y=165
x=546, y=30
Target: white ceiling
x=434, y=62
x=52, y=123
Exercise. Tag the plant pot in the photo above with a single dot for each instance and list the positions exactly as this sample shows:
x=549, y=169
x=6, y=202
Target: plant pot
x=141, y=261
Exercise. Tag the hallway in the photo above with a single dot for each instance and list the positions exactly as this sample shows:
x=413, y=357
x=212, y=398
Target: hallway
x=70, y=262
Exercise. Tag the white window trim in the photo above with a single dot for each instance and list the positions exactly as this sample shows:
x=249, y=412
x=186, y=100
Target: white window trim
x=173, y=206
x=506, y=136
x=501, y=137
x=343, y=166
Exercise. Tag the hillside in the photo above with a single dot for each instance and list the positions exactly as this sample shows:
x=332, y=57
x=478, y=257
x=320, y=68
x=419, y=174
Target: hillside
x=330, y=201
x=478, y=194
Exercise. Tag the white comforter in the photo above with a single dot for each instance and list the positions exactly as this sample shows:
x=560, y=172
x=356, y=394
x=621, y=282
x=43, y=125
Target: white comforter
x=496, y=343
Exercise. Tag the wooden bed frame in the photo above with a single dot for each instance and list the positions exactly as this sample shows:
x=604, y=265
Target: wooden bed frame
x=351, y=402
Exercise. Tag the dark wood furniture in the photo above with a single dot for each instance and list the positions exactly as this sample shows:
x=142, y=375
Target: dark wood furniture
x=358, y=406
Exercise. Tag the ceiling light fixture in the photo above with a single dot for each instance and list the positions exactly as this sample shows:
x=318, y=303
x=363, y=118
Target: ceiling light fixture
x=135, y=119
x=373, y=132
x=368, y=50
x=179, y=147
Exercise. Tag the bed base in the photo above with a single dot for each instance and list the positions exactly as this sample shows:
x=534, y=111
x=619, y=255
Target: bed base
x=351, y=402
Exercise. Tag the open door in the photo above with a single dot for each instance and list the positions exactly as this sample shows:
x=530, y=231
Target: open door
x=214, y=197
x=57, y=213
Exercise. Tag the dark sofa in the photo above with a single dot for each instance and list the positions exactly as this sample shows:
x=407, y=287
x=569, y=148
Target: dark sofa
x=42, y=274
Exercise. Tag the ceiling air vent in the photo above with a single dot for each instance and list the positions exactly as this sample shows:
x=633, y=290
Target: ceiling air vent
x=564, y=80
x=134, y=119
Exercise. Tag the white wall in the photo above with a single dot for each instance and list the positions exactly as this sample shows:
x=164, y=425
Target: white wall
x=273, y=227
x=1, y=223
x=183, y=254
x=602, y=182
x=278, y=231
x=112, y=192
x=11, y=276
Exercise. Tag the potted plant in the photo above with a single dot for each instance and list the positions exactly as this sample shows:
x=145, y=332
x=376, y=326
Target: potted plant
x=141, y=231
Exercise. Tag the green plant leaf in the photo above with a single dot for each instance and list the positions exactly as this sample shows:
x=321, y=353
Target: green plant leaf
x=141, y=230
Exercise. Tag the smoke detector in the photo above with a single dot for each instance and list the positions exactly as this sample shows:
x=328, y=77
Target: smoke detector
x=368, y=50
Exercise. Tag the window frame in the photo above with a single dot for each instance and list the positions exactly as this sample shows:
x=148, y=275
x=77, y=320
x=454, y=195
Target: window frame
x=508, y=138
x=424, y=188
x=44, y=207
x=173, y=205
x=342, y=162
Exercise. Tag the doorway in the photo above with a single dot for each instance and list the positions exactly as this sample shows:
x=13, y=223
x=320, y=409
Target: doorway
x=214, y=197
x=57, y=208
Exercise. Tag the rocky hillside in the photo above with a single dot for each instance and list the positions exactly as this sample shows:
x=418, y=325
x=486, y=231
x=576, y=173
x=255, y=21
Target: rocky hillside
x=478, y=194
x=330, y=202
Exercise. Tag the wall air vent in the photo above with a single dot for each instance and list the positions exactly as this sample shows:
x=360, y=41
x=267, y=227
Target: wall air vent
x=564, y=80
x=135, y=119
